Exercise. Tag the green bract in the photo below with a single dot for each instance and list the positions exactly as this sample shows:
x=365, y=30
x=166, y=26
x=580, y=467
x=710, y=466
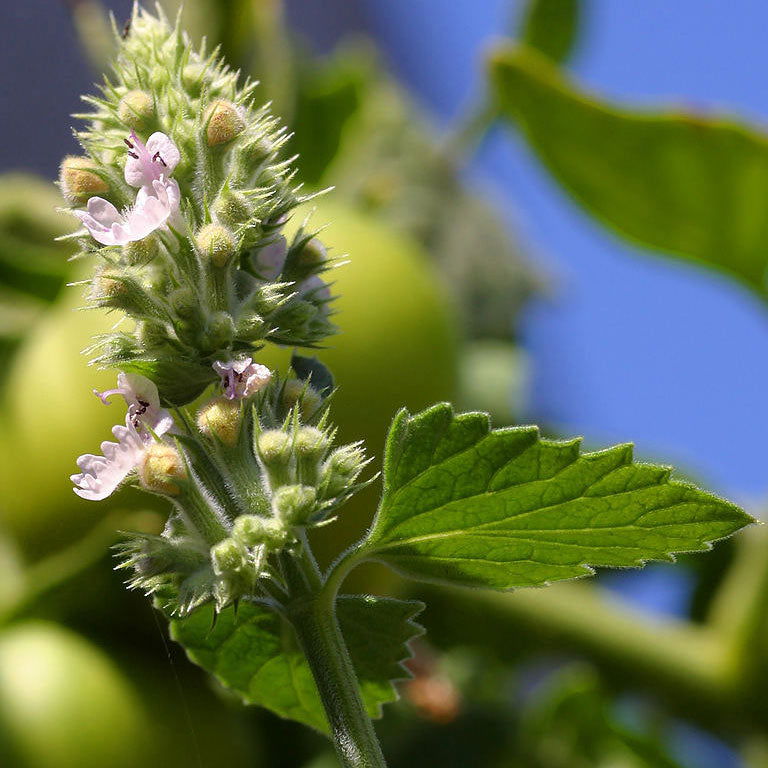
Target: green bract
x=506, y=508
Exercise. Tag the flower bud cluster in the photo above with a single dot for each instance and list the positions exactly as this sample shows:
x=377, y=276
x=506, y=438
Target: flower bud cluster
x=259, y=468
x=185, y=199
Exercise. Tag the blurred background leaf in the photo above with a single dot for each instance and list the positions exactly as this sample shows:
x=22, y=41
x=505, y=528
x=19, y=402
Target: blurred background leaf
x=690, y=185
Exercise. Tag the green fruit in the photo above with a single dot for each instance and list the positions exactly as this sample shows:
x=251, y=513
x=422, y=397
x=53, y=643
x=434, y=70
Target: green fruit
x=51, y=417
x=397, y=344
x=63, y=704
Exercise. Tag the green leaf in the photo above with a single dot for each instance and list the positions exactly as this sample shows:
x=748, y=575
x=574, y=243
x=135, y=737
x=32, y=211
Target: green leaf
x=686, y=184
x=552, y=26
x=255, y=652
x=506, y=508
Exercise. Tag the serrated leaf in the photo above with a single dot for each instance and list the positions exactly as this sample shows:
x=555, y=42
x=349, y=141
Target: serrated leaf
x=552, y=26
x=506, y=508
x=255, y=652
x=691, y=185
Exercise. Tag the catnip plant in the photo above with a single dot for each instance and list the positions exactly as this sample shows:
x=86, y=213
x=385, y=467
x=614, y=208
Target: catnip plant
x=188, y=217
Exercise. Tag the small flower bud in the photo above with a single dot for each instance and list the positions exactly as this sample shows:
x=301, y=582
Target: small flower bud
x=152, y=334
x=219, y=332
x=341, y=469
x=310, y=446
x=216, y=244
x=253, y=531
x=313, y=254
x=294, y=503
x=161, y=468
x=136, y=109
x=78, y=180
x=250, y=328
x=139, y=252
x=221, y=418
x=227, y=557
x=275, y=449
x=192, y=78
x=232, y=208
x=299, y=392
x=274, y=446
x=223, y=122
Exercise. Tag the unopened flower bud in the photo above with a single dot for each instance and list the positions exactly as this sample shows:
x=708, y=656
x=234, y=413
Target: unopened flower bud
x=192, y=78
x=221, y=418
x=232, y=208
x=227, y=557
x=310, y=446
x=152, y=334
x=274, y=446
x=299, y=392
x=78, y=179
x=142, y=251
x=223, y=122
x=216, y=244
x=220, y=331
x=275, y=449
x=294, y=503
x=136, y=109
x=341, y=469
x=313, y=253
x=161, y=469
x=252, y=531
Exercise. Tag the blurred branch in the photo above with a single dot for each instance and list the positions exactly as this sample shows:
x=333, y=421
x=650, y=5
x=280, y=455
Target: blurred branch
x=48, y=573
x=683, y=664
x=94, y=31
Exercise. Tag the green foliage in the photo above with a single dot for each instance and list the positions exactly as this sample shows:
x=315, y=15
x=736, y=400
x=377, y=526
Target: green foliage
x=552, y=27
x=571, y=724
x=255, y=653
x=506, y=508
x=690, y=185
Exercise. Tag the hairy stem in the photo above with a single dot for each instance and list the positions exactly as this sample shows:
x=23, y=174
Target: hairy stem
x=312, y=612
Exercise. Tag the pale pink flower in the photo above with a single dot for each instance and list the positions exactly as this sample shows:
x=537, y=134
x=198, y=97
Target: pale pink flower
x=101, y=475
x=109, y=226
x=150, y=162
x=316, y=289
x=157, y=202
x=241, y=378
x=143, y=401
x=270, y=260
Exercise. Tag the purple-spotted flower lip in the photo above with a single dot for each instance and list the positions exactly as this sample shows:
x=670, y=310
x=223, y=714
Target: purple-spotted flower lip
x=148, y=168
x=242, y=378
x=150, y=162
x=100, y=476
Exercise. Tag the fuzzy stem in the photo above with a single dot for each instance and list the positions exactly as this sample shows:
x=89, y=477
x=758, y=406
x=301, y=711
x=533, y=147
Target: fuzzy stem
x=313, y=615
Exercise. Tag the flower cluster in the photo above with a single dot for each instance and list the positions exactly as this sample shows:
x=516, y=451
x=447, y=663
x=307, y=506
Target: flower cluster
x=186, y=208
x=186, y=205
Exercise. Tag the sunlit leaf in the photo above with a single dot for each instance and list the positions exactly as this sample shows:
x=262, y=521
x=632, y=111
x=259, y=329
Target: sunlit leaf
x=552, y=26
x=506, y=508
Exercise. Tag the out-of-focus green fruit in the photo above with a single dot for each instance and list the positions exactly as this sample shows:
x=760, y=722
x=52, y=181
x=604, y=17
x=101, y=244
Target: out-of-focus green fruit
x=397, y=344
x=50, y=416
x=63, y=704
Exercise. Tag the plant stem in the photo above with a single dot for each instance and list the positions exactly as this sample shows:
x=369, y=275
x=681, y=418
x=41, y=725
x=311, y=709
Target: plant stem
x=313, y=615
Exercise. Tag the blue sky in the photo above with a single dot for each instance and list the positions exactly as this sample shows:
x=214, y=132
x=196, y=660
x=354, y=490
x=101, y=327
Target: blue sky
x=632, y=346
